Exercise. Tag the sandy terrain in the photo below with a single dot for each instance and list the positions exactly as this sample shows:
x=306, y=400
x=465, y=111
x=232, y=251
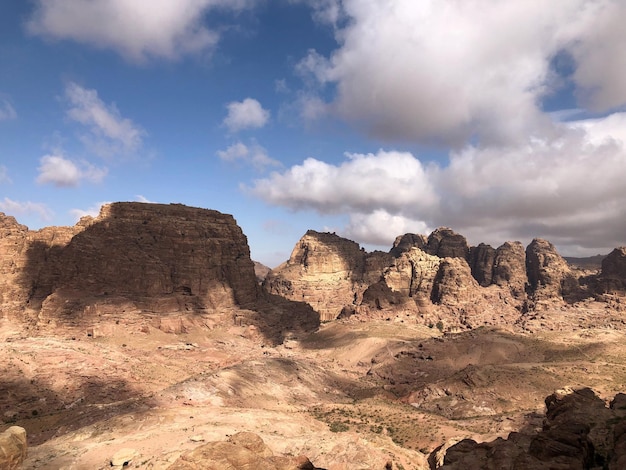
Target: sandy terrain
x=352, y=395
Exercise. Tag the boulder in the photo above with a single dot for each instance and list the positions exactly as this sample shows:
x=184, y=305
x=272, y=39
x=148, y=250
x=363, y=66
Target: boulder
x=13, y=448
x=241, y=451
x=579, y=432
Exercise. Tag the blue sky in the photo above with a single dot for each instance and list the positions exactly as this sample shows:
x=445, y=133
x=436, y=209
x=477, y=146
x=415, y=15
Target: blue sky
x=502, y=120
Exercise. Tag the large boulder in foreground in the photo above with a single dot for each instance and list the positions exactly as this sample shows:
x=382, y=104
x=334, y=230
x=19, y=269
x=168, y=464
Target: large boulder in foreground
x=13, y=448
x=579, y=432
x=243, y=450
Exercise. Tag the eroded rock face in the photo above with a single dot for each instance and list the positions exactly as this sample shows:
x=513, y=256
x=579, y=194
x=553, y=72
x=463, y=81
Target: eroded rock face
x=163, y=258
x=446, y=243
x=613, y=275
x=327, y=272
x=579, y=432
x=482, y=259
x=549, y=275
x=509, y=268
x=404, y=243
x=13, y=448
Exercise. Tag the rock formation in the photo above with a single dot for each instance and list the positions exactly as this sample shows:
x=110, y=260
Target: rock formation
x=549, y=275
x=445, y=243
x=327, y=272
x=579, y=432
x=482, y=260
x=13, y=448
x=613, y=275
x=434, y=278
x=509, y=268
x=133, y=257
x=242, y=450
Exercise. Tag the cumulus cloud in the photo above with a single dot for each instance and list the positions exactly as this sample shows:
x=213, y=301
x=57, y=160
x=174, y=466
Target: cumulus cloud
x=446, y=71
x=92, y=211
x=62, y=172
x=7, y=112
x=386, y=180
x=138, y=30
x=109, y=132
x=246, y=114
x=253, y=154
x=567, y=188
x=19, y=208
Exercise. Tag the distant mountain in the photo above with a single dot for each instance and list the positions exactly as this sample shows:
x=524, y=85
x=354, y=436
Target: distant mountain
x=590, y=262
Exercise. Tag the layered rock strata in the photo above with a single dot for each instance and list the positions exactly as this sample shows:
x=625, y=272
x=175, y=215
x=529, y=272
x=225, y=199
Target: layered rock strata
x=133, y=258
x=435, y=278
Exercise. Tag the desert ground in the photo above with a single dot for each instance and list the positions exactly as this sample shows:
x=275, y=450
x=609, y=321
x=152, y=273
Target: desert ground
x=352, y=395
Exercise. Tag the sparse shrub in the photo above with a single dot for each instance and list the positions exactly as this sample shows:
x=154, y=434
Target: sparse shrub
x=440, y=325
x=336, y=426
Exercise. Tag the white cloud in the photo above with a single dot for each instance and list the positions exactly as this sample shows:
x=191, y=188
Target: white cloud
x=376, y=227
x=568, y=189
x=4, y=175
x=62, y=172
x=253, y=154
x=448, y=71
x=246, y=114
x=386, y=180
x=138, y=30
x=92, y=211
x=140, y=198
x=109, y=132
x=17, y=208
x=7, y=112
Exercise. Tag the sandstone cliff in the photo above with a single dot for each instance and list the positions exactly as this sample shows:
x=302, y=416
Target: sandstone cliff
x=134, y=258
x=437, y=279
x=326, y=271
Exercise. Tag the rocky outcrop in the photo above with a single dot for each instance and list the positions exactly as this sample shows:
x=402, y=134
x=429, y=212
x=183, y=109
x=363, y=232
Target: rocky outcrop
x=509, y=268
x=482, y=260
x=242, y=450
x=613, y=274
x=445, y=243
x=327, y=272
x=549, y=275
x=137, y=258
x=404, y=243
x=579, y=432
x=13, y=448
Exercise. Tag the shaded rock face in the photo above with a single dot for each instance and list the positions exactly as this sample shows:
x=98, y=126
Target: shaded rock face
x=579, y=432
x=482, y=259
x=135, y=257
x=509, y=268
x=549, y=275
x=446, y=243
x=327, y=272
x=613, y=275
x=404, y=243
